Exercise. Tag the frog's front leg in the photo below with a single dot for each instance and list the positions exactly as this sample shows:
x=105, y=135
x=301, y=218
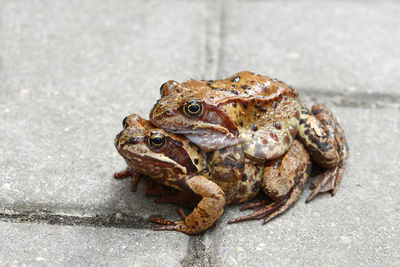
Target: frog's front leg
x=207, y=212
x=129, y=172
x=283, y=181
x=323, y=137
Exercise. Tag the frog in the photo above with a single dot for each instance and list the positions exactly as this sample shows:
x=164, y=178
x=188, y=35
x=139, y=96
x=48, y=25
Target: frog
x=259, y=113
x=200, y=178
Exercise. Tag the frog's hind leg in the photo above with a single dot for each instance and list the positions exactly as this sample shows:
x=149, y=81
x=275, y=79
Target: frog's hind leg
x=284, y=180
x=206, y=213
x=323, y=137
x=276, y=208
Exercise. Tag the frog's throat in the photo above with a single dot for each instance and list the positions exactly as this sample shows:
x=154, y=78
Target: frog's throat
x=212, y=140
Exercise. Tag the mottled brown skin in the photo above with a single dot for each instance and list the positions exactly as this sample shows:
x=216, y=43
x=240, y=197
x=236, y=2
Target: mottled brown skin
x=240, y=179
x=283, y=181
x=171, y=165
x=260, y=114
x=323, y=137
x=208, y=187
x=181, y=165
x=248, y=124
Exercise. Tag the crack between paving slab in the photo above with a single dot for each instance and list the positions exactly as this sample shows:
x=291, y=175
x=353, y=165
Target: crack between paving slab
x=213, y=39
x=351, y=99
x=115, y=220
x=196, y=253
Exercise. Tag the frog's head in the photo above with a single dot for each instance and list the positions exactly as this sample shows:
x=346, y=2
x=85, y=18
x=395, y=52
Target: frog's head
x=156, y=153
x=193, y=108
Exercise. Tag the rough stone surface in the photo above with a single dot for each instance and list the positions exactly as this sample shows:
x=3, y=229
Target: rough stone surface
x=50, y=245
x=70, y=71
x=346, y=46
x=359, y=226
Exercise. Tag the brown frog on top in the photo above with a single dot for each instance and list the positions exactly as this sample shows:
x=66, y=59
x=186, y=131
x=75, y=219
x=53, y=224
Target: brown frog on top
x=204, y=179
x=261, y=114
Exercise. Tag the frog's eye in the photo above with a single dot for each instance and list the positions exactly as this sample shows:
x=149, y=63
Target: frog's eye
x=156, y=140
x=193, y=108
x=162, y=89
x=124, y=124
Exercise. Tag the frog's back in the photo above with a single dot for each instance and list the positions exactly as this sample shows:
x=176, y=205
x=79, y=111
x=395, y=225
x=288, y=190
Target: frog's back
x=266, y=112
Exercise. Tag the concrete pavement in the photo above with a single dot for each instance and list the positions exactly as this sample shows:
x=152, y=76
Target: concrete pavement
x=70, y=71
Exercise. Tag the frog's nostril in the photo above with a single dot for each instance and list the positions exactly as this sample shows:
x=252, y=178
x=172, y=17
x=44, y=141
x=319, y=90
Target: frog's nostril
x=124, y=125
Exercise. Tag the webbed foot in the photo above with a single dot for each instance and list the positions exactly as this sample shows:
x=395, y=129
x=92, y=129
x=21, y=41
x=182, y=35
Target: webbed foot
x=329, y=180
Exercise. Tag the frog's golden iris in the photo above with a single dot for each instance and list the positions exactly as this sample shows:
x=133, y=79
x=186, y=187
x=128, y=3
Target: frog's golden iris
x=193, y=108
x=156, y=140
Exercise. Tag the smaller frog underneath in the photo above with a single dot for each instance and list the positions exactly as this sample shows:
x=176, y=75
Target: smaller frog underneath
x=204, y=179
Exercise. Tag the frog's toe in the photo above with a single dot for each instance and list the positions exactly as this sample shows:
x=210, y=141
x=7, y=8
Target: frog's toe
x=254, y=205
x=179, y=226
x=168, y=225
x=261, y=212
x=162, y=221
x=328, y=181
x=123, y=174
x=128, y=172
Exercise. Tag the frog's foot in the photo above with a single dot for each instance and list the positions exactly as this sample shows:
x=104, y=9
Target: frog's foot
x=261, y=211
x=128, y=172
x=323, y=137
x=283, y=180
x=329, y=180
x=206, y=213
x=168, y=223
x=274, y=209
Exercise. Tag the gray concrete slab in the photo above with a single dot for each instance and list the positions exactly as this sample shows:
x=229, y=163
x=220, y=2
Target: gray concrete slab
x=70, y=72
x=344, y=46
x=50, y=245
x=358, y=227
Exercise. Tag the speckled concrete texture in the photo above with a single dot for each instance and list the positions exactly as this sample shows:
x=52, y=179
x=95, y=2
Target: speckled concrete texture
x=70, y=71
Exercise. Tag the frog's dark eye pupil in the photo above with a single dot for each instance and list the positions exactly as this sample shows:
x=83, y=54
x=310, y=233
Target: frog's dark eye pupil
x=124, y=122
x=193, y=108
x=157, y=140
